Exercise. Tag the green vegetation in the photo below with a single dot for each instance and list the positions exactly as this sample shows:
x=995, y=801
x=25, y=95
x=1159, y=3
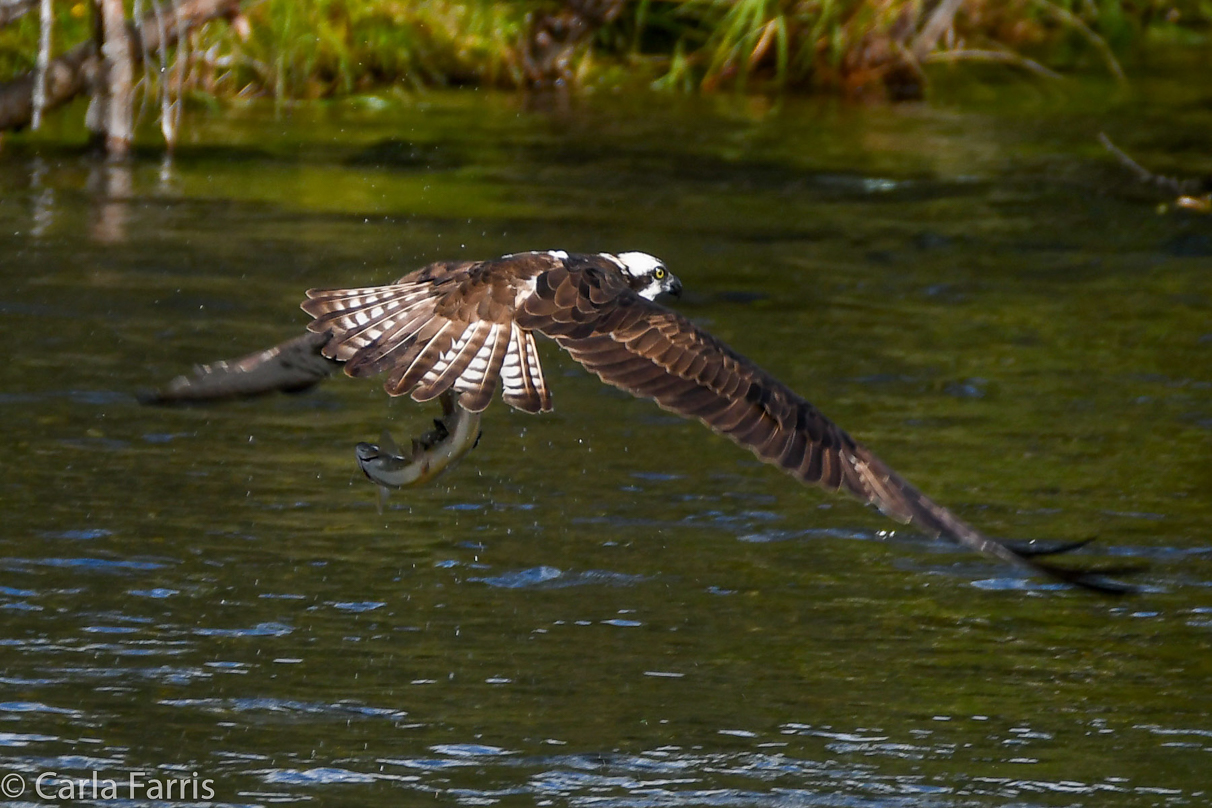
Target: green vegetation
x=19, y=40
x=335, y=47
x=296, y=49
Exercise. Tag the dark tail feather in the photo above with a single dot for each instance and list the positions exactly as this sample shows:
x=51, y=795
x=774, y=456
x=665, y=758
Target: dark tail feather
x=289, y=367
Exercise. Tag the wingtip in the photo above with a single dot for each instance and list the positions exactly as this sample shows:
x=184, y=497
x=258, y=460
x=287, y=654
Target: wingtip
x=1093, y=580
x=1033, y=548
x=1106, y=586
x=1097, y=579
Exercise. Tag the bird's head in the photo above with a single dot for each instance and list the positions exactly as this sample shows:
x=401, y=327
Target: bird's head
x=648, y=276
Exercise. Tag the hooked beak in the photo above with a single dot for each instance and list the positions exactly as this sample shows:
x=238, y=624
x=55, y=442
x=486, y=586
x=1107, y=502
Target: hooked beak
x=675, y=287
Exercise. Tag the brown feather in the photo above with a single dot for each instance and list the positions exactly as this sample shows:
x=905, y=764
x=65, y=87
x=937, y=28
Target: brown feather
x=440, y=379
x=477, y=397
x=706, y=380
x=433, y=340
x=585, y=303
x=418, y=339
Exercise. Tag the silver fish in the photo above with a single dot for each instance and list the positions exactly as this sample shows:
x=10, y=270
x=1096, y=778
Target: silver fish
x=455, y=434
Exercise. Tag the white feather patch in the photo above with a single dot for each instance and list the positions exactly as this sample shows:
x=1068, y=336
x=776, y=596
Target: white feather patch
x=475, y=376
x=638, y=264
x=511, y=368
x=479, y=362
x=525, y=290
x=421, y=353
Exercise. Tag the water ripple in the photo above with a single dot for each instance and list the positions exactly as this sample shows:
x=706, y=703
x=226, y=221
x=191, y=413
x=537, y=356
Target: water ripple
x=96, y=564
x=319, y=776
x=554, y=578
x=259, y=630
x=285, y=707
x=35, y=707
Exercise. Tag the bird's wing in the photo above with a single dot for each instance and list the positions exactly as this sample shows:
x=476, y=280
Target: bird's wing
x=294, y=365
x=447, y=326
x=653, y=352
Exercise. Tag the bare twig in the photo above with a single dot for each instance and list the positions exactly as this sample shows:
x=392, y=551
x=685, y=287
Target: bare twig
x=554, y=37
x=940, y=20
x=13, y=10
x=1100, y=44
x=1004, y=57
x=69, y=75
x=119, y=78
x=1169, y=184
x=46, y=25
x=98, y=101
x=181, y=59
x=168, y=120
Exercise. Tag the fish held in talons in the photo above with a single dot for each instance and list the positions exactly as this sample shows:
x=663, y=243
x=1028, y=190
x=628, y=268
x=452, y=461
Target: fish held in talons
x=455, y=434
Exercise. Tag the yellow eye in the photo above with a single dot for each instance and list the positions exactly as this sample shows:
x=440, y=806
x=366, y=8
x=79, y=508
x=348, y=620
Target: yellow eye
x=659, y=273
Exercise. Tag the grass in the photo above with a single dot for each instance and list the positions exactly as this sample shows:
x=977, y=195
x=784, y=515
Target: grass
x=302, y=49
x=832, y=44
x=19, y=41
x=336, y=47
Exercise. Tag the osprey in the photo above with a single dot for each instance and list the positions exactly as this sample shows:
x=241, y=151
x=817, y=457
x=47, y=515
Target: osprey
x=462, y=328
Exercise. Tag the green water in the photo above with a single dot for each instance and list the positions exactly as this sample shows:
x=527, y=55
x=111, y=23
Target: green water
x=608, y=606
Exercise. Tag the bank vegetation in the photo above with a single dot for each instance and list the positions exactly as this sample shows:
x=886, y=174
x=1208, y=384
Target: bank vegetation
x=172, y=51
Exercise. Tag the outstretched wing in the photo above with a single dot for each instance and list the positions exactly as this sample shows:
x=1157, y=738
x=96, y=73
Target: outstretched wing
x=653, y=352
x=447, y=326
x=291, y=366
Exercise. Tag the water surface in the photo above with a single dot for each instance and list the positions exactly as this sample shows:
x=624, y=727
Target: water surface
x=608, y=606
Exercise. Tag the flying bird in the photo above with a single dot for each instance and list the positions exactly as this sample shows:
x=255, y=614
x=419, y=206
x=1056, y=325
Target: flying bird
x=464, y=328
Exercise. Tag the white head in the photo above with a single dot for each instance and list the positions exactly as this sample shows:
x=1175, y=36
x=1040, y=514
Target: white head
x=647, y=274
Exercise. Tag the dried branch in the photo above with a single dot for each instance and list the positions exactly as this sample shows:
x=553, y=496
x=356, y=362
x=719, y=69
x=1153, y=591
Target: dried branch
x=170, y=105
x=13, y=10
x=1003, y=57
x=72, y=73
x=554, y=37
x=940, y=20
x=1100, y=44
x=119, y=53
x=46, y=25
x=1171, y=185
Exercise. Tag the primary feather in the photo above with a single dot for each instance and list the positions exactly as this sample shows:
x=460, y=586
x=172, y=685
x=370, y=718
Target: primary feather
x=469, y=326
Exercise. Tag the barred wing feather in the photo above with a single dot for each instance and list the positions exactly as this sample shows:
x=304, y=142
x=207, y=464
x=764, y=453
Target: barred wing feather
x=653, y=352
x=432, y=337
